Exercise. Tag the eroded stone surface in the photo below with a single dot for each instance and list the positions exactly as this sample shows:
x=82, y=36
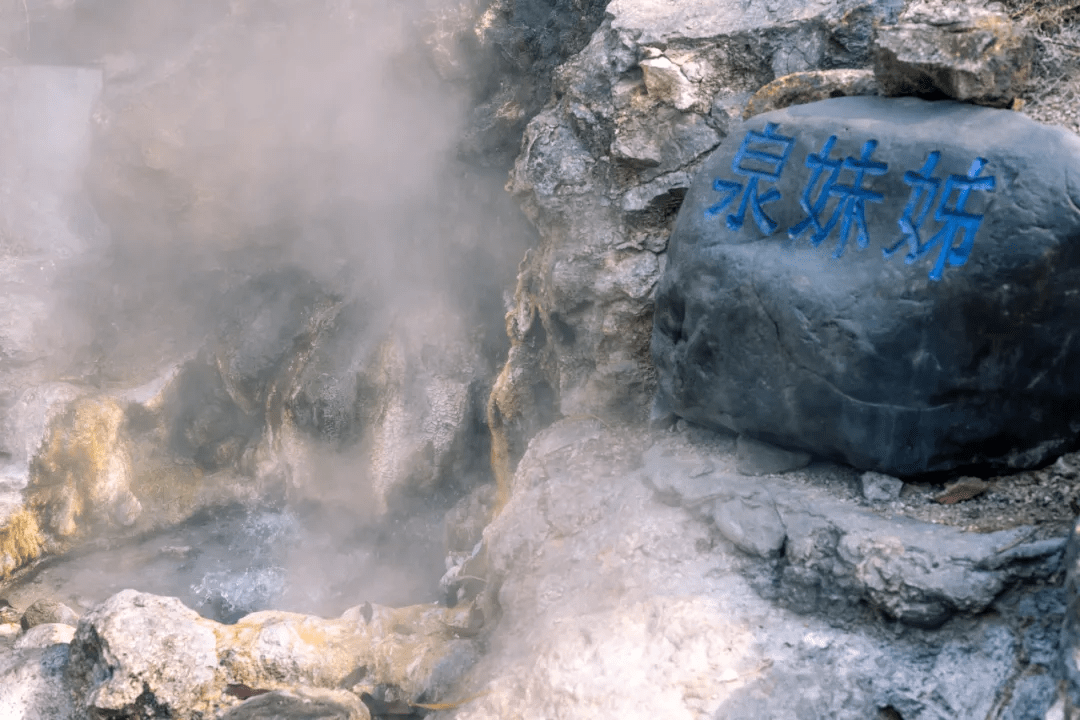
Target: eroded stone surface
x=603, y=169
x=139, y=653
x=600, y=585
x=843, y=339
x=961, y=51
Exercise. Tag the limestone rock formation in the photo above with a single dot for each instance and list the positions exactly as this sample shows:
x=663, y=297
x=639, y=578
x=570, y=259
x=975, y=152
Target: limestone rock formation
x=862, y=329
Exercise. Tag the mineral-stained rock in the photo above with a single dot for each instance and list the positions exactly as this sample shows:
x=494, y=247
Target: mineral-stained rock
x=954, y=50
x=137, y=654
x=810, y=86
x=881, y=336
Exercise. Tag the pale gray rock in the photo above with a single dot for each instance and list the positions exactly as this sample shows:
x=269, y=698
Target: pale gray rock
x=44, y=635
x=878, y=487
x=954, y=50
x=33, y=685
x=603, y=589
x=835, y=554
x=48, y=611
x=1070, y=631
x=754, y=457
x=137, y=655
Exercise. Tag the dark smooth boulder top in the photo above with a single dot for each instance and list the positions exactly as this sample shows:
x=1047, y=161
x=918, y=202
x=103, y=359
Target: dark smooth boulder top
x=939, y=334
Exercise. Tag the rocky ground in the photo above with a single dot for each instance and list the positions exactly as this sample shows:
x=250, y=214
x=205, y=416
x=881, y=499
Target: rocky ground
x=244, y=414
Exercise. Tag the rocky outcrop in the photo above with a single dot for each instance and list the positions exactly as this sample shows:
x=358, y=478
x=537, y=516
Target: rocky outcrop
x=786, y=314
x=626, y=556
x=602, y=172
x=954, y=50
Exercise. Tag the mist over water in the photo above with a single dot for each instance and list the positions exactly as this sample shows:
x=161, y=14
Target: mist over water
x=233, y=142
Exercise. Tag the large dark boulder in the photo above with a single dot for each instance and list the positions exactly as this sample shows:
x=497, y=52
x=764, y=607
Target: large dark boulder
x=901, y=353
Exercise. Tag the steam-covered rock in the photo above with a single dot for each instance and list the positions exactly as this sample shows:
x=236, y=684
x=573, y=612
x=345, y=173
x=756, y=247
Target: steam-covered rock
x=302, y=704
x=411, y=392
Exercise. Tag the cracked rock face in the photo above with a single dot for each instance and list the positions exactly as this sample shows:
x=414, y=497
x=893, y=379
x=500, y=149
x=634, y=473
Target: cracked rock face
x=795, y=312
x=603, y=170
x=955, y=50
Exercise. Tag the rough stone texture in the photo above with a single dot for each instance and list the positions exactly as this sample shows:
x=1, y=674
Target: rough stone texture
x=754, y=457
x=1070, y=630
x=954, y=50
x=403, y=402
x=137, y=654
x=32, y=685
x=602, y=171
x=47, y=611
x=880, y=488
x=810, y=86
x=516, y=47
x=603, y=589
x=859, y=357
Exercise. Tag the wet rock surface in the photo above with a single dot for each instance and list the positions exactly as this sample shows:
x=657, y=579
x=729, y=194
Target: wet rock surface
x=822, y=338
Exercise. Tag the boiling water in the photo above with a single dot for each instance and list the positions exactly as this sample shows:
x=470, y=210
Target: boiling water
x=237, y=560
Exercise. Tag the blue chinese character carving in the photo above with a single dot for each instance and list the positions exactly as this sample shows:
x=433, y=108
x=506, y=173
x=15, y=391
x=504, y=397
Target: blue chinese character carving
x=851, y=207
x=924, y=188
x=754, y=150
